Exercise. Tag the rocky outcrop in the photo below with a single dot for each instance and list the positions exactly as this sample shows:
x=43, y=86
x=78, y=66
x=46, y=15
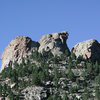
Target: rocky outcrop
x=18, y=48
x=34, y=93
x=54, y=43
x=88, y=49
x=22, y=46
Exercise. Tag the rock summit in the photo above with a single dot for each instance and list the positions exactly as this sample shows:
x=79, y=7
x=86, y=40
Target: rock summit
x=22, y=46
x=89, y=49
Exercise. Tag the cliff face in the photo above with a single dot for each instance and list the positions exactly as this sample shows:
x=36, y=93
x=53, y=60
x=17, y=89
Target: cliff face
x=18, y=48
x=22, y=46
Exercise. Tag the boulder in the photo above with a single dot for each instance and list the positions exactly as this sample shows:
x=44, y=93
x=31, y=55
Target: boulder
x=54, y=43
x=35, y=93
x=17, y=49
x=89, y=49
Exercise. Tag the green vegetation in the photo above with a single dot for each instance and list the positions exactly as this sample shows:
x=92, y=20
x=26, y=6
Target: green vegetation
x=78, y=76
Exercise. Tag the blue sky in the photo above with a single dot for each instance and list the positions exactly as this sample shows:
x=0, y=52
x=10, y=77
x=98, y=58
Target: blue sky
x=34, y=18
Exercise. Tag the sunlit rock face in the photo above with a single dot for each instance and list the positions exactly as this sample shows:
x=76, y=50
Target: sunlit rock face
x=54, y=42
x=18, y=48
x=88, y=49
x=22, y=46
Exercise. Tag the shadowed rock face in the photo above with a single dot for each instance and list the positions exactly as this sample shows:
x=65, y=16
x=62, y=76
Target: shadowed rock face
x=88, y=49
x=22, y=46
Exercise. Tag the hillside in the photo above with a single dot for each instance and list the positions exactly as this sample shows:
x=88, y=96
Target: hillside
x=47, y=75
x=51, y=78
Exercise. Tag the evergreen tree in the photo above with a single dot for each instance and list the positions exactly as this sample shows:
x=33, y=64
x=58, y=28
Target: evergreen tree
x=0, y=90
x=22, y=84
x=65, y=97
x=73, y=56
x=98, y=94
x=67, y=52
x=71, y=75
x=11, y=96
x=97, y=79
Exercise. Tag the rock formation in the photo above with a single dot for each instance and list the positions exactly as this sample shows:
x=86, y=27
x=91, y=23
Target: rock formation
x=18, y=48
x=22, y=46
x=34, y=93
x=88, y=49
x=54, y=42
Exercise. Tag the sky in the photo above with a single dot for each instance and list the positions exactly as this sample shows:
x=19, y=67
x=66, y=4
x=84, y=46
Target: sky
x=35, y=18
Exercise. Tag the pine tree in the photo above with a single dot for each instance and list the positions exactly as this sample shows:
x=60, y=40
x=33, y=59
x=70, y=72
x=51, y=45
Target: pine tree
x=11, y=96
x=65, y=97
x=0, y=90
